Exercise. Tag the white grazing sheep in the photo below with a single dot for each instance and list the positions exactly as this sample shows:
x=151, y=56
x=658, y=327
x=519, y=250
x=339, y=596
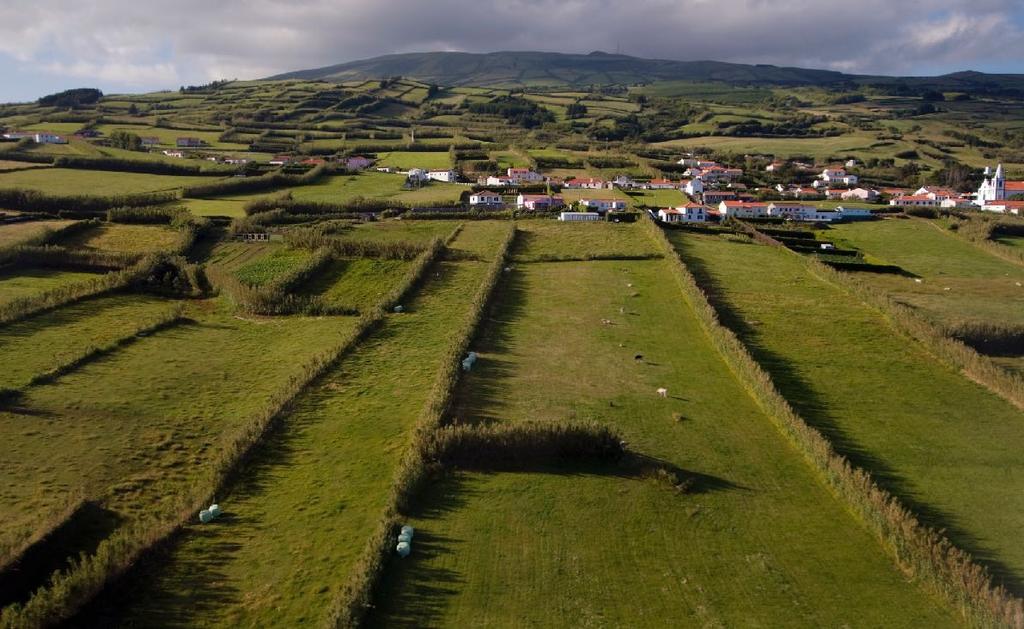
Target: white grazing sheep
x=663, y=392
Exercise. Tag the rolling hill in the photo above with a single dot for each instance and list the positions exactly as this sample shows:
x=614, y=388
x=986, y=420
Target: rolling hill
x=540, y=69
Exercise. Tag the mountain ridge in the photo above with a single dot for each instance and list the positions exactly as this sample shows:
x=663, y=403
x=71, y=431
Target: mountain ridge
x=553, y=69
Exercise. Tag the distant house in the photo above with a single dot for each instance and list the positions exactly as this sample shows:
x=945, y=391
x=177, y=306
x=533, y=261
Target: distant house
x=539, y=202
x=416, y=174
x=178, y=154
x=623, y=181
x=661, y=184
x=447, y=176
x=188, y=143
x=836, y=175
x=774, y=166
x=579, y=217
x=961, y=203
x=714, y=197
x=853, y=213
x=692, y=187
x=793, y=211
x=280, y=160
x=936, y=193
x=523, y=175
x=914, y=200
x=864, y=194
x=689, y=213
x=603, y=204
x=150, y=140
x=39, y=137
x=500, y=180
x=585, y=184
x=1004, y=207
x=743, y=209
x=357, y=162
x=834, y=194
x=485, y=198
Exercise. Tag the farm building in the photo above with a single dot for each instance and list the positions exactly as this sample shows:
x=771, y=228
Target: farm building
x=39, y=137
x=187, y=142
x=357, y=162
x=498, y=180
x=660, y=184
x=714, y=197
x=914, y=200
x=793, y=211
x=579, y=217
x=864, y=194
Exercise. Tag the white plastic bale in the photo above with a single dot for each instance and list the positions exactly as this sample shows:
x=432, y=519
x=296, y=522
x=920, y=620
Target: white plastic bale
x=404, y=537
x=409, y=530
x=205, y=516
x=214, y=510
x=403, y=549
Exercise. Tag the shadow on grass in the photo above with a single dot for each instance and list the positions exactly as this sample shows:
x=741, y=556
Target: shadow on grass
x=802, y=395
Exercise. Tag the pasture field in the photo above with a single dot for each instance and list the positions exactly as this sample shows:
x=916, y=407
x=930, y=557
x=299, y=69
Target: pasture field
x=356, y=283
x=26, y=282
x=35, y=345
x=658, y=198
x=1011, y=241
x=980, y=285
x=397, y=231
x=882, y=399
x=314, y=488
x=71, y=181
x=277, y=262
x=9, y=165
x=125, y=238
x=542, y=239
x=19, y=233
x=402, y=160
x=137, y=426
x=756, y=541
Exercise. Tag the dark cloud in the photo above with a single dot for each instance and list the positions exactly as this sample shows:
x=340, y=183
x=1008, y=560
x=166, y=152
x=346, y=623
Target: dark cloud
x=146, y=44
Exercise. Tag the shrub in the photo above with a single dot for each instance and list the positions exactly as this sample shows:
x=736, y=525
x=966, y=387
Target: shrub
x=78, y=205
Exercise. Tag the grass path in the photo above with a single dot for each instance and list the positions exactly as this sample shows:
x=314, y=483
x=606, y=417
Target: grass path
x=302, y=510
x=757, y=541
x=936, y=439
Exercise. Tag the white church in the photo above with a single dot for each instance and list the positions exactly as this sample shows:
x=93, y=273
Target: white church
x=995, y=187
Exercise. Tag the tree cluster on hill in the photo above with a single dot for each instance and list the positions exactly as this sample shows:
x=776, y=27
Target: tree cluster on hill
x=73, y=98
x=125, y=140
x=518, y=111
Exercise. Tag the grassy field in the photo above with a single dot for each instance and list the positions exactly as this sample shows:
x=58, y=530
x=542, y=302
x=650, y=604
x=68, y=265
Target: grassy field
x=758, y=541
x=659, y=198
x=94, y=182
x=314, y=489
x=958, y=280
x=17, y=283
x=271, y=266
x=541, y=238
x=358, y=283
x=125, y=238
x=36, y=345
x=438, y=160
x=136, y=427
x=402, y=230
x=883, y=399
x=18, y=233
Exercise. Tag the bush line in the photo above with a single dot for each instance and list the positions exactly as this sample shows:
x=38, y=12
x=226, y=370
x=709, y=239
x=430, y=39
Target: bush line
x=24, y=200
x=918, y=550
x=269, y=181
x=350, y=605
x=70, y=590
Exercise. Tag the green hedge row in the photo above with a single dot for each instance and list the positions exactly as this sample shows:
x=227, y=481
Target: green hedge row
x=76, y=205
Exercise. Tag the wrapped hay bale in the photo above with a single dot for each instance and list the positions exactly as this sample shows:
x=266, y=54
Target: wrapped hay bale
x=403, y=549
x=408, y=530
x=205, y=516
x=214, y=510
x=405, y=537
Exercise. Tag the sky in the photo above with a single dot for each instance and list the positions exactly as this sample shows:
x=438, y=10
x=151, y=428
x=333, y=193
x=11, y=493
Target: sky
x=146, y=45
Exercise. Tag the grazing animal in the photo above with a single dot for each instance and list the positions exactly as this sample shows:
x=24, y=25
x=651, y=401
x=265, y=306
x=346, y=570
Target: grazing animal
x=638, y=357
x=623, y=310
x=606, y=321
x=663, y=392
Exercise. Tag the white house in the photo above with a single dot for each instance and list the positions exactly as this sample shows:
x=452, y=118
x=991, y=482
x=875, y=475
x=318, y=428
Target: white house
x=689, y=213
x=692, y=187
x=774, y=166
x=660, y=184
x=960, y=203
x=792, y=211
x=578, y=217
x=743, y=209
x=523, y=175
x=178, y=154
x=838, y=175
x=417, y=174
x=936, y=193
x=623, y=181
x=538, y=201
x=864, y=194
x=853, y=213
x=585, y=184
x=914, y=200
x=39, y=137
x=485, y=197
x=1004, y=207
x=499, y=180
x=447, y=176
x=603, y=204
